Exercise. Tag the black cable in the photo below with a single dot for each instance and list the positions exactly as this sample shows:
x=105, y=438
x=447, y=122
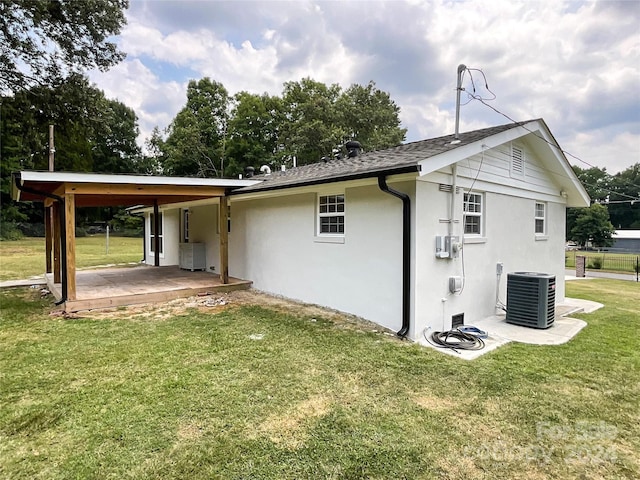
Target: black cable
x=454, y=340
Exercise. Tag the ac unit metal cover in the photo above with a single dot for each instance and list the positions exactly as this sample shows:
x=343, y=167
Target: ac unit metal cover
x=531, y=299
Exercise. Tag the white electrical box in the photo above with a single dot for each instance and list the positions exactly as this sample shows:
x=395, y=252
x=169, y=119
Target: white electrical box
x=441, y=249
x=455, y=284
x=448, y=246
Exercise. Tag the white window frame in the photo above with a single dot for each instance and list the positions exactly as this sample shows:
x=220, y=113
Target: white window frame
x=333, y=209
x=228, y=221
x=473, y=213
x=540, y=218
x=151, y=235
x=186, y=214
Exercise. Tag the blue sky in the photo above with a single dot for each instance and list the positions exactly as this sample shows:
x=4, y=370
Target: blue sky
x=575, y=64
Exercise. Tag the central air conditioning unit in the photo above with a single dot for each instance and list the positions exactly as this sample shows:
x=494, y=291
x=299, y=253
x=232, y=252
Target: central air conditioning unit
x=531, y=299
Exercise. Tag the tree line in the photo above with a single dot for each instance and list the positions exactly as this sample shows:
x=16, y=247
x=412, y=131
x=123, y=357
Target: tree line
x=613, y=206
x=215, y=134
x=218, y=135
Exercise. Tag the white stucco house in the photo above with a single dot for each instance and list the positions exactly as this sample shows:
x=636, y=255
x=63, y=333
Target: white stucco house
x=407, y=237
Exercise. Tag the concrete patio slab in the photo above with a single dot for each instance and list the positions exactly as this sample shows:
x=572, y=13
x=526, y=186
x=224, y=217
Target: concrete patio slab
x=500, y=332
x=114, y=287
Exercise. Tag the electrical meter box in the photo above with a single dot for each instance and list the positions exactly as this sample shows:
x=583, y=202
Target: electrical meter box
x=448, y=246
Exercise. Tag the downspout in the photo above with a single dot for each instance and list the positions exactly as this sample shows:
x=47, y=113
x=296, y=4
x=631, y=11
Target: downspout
x=406, y=253
x=63, y=233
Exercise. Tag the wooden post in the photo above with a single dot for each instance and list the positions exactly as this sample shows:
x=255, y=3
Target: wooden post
x=70, y=226
x=48, y=237
x=223, y=227
x=56, y=233
x=156, y=233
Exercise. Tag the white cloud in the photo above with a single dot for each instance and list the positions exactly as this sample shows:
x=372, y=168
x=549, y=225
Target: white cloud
x=575, y=64
x=154, y=101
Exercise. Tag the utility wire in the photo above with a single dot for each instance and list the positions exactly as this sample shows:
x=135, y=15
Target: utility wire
x=482, y=100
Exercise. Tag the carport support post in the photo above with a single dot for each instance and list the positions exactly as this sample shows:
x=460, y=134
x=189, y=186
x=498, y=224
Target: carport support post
x=223, y=227
x=57, y=242
x=70, y=231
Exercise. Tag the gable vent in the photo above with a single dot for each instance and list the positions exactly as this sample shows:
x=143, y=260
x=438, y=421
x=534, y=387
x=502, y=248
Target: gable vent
x=443, y=187
x=517, y=162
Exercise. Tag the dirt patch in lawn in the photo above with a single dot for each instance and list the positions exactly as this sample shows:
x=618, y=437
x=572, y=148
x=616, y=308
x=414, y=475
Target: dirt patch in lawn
x=217, y=302
x=288, y=429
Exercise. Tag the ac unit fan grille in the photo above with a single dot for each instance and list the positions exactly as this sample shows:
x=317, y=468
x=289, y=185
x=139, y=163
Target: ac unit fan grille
x=531, y=299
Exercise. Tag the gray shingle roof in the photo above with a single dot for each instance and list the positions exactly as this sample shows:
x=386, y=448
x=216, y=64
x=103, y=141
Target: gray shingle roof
x=400, y=159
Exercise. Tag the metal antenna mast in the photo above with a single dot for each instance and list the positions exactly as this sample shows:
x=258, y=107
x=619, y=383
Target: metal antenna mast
x=461, y=68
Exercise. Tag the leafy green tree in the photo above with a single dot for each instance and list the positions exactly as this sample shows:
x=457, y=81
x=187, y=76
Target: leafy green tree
x=625, y=186
x=43, y=41
x=309, y=121
x=252, y=137
x=592, y=225
x=596, y=181
x=150, y=162
x=368, y=115
x=92, y=134
x=115, y=139
x=311, y=129
x=196, y=140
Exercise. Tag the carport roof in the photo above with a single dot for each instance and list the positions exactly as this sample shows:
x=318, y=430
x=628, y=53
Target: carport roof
x=96, y=189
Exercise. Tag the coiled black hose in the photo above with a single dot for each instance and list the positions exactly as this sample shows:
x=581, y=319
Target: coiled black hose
x=455, y=340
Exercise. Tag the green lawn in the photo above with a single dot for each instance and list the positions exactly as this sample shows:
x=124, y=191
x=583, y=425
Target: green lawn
x=25, y=258
x=254, y=392
x=608, y=261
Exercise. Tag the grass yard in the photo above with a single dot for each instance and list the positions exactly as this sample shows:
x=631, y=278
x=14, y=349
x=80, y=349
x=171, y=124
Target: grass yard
x=25, y=258
x=607, y=261
x=261, y=392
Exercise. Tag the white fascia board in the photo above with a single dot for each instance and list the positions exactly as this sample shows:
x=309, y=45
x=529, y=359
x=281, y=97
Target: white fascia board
x=73, y=177
x=338, y=185
x=577, y=196
x=442, y=160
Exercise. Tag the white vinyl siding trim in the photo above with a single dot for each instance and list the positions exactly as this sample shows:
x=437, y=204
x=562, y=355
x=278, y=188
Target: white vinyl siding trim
x=473, y=214
x=331, y=215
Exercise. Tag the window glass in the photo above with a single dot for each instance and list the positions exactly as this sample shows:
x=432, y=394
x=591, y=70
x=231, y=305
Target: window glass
x=540, y=218
x=331, y=214
x=472, y=208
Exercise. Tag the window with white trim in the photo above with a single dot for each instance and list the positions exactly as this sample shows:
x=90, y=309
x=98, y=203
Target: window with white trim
x=186, y=214
x=152, y=236
x=331, y=214
x=540, y=218
x=472, y=208
x=228, y=221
